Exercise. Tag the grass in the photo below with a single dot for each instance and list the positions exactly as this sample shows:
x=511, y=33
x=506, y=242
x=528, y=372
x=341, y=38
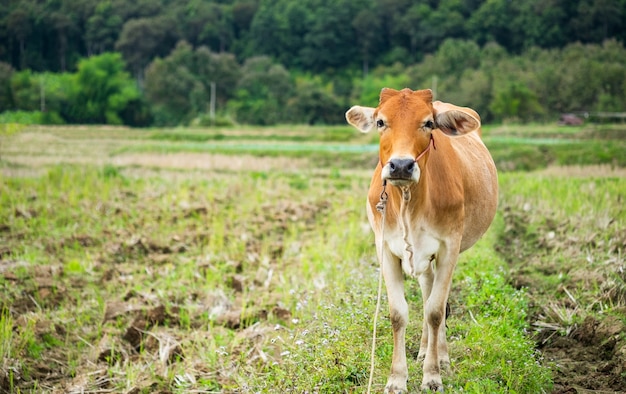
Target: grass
x=132, y=278
x=564, y=239
x=231, y=272
x=573, y=223
x=312, y=134
x=514, y=148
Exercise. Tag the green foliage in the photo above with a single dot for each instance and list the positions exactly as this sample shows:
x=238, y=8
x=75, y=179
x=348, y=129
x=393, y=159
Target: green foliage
x=102, y=90
x=143, y=39
x=20, y=117
x=367, y=90
x=314, y=103
x=455, y=56
x=26, y=91
x=103, y=27
x=508, y=60
x=31, y=117
x=537, y=85
x=314, y=35
x=179, y=86
x=515, y=101
x=6, y=99
x=278, y=29
x=329, y=42
x=45, y=96
x=168, y=85
x=262, y=92
x=205, y=120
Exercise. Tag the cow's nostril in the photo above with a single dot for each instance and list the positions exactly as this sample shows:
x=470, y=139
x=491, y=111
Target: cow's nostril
x=401, y=168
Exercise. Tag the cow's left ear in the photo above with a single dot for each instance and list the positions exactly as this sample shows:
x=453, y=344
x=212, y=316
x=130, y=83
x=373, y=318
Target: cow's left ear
x=454, y=120
x=361, y=117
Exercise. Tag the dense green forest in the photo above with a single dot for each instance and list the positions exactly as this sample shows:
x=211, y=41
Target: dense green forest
x=158, y=62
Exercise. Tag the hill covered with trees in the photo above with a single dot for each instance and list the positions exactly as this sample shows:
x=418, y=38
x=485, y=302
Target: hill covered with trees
x=157, y=62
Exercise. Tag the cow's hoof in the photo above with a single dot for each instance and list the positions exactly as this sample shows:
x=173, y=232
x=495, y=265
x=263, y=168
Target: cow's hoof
x=432, y=386
x=393, y=389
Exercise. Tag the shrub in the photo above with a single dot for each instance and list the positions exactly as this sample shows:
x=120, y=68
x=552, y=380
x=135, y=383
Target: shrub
x=31, y=117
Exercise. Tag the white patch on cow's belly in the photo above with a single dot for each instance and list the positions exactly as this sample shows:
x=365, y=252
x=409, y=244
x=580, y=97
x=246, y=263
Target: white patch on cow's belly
x=423, y=247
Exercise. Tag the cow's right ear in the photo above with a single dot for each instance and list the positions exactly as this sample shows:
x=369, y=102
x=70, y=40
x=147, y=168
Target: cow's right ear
x=361, y=117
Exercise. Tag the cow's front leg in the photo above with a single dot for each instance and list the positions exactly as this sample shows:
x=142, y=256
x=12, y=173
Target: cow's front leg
x=399, y=316
x=426, y=284
x=435, y=315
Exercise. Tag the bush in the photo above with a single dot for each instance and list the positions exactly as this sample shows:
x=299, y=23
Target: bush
x=204, y=120
x=31, y=117
x=314, y=103
x=101, y=90
x=262, y=93
x=6, y=73
x=515, y=101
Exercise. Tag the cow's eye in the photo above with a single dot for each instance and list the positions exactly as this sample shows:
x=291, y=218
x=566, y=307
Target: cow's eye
x=429, y=124
x=380, y=123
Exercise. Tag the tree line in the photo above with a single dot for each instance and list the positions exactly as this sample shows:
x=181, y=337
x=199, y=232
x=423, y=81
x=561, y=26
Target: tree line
x=150, y=62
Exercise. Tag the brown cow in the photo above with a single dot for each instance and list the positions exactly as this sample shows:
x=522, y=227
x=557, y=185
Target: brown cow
x=443, y=199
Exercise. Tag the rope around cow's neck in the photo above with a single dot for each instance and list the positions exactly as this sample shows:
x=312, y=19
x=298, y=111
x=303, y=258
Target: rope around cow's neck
x=382, y=208
x=408, y=248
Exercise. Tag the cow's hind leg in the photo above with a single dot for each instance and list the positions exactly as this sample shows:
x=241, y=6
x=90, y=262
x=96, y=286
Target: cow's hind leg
x=399, y=316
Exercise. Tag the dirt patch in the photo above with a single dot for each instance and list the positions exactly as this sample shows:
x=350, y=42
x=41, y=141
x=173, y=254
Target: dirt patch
x=578, y=304
x=101, y=301
x=590, y=358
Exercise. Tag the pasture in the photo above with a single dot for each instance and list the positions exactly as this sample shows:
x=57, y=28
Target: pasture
x=241, y=261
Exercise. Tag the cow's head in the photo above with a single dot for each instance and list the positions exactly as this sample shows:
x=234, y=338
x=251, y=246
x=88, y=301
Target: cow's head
x=405, y=120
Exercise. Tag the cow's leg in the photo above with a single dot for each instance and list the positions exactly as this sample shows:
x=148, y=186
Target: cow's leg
x=435, y=315
x=426, y=285
x=399, y=316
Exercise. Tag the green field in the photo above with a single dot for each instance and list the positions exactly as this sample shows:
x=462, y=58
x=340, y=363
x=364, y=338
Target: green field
x=241, y=261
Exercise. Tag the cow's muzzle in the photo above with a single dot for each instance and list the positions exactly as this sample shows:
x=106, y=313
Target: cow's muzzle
x=401, y=169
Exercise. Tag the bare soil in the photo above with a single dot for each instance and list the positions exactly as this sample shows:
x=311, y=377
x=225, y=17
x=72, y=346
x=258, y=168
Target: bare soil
x=140, y=325
x=581, y=338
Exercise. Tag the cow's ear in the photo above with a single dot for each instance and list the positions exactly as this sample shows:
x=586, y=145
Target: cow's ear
x=361, y=117
x=454, y=120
